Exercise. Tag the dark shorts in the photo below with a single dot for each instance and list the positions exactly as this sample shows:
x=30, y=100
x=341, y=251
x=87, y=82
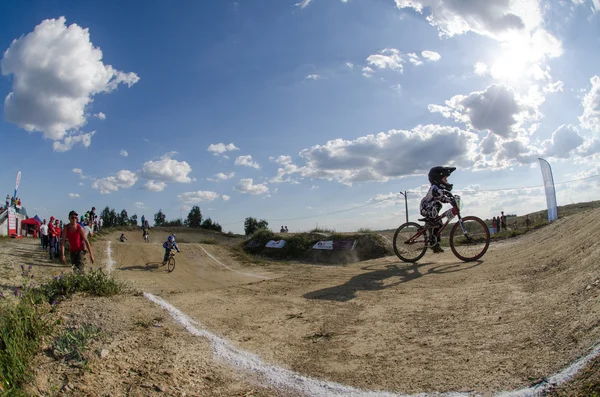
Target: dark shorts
x=78, y=260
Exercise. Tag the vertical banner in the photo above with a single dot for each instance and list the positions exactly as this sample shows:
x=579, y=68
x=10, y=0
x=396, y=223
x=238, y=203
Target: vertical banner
x=549, y=188
x=12, y=221
x=17, y=183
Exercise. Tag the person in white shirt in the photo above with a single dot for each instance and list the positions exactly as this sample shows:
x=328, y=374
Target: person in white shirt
x=44, y=233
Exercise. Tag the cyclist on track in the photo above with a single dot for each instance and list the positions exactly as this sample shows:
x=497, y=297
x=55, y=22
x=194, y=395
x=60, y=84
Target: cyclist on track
x=168, y=246
x=431, y=204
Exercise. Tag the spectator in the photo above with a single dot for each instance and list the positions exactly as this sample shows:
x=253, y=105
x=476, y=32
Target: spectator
x=494, y=224
x=527, y=221
x=88, y=230
x=503, y=220
x=7, y=200
x=286, y=229
x=100, y=223
x=282, y=230
x=78, y=243
x=52, y=237
x=58, y=230
x=44, y=234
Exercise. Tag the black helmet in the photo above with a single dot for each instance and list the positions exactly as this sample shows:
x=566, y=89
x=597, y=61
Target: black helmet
x=437, y=173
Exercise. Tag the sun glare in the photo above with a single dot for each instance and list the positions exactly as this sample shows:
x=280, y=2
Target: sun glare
x=514, y=62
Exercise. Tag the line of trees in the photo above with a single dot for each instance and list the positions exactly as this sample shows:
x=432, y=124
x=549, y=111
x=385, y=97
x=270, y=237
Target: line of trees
x=194, y=219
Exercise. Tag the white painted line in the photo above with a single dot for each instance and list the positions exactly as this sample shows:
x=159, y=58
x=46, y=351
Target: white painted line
x=110, y=264
x=279, y=377
x=233, y=270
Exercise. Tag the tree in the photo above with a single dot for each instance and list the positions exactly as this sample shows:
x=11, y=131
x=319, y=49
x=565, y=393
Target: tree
x=174, y=223
x=109, y=217
x=123, y=218
x=133, y=220
x=251, y=225
x=159, y=218
x=194, y=218
x=210, y=225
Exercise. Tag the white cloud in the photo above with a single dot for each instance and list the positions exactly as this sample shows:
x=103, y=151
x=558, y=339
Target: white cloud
x=155, y=186
x=564, y=141
x=518, y=26
x=281, y=159
x=314, y=187
x=221, y=177
x=497, y=109
x=100, y=116
x=350, y=65
x=225, y=197
x=123, y=179
x=313, y=77
x=288, y=168
x=246, y=161
x=167, y=170
x=367, y=72
x=590, y=119
x=220, y=148
x=431, y=55
x=56, y=73
x=247, y=186
x=123, y=153
x=557, y=86
x=594, y=6
x=303, y=3
x=414, y=59
x=76, y=137
x=197, y=197
x=480, y=69
x=139, y=204
x=390, y=155
x=74, y=195
x=389, y=58
x=79, y=172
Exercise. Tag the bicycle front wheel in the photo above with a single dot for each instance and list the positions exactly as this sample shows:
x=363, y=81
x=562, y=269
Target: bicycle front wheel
x=471, y=241
x=410, y=242
x=171, y=264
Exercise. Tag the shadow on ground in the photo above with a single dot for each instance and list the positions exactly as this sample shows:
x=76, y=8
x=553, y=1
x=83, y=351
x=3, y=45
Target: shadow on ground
x=374, y=280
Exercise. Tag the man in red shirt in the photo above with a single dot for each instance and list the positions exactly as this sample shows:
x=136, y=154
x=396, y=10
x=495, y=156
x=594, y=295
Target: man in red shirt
x=78, y=243
x=52, y=233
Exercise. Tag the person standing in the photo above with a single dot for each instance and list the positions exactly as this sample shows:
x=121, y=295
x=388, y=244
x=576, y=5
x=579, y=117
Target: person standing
x=503, y=220
x=52, y=239
x=78, y=243
x=100, y=223
x=44, y=234
x=494, y=225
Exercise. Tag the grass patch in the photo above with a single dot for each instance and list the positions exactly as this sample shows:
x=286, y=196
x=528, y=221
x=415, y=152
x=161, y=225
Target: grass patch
x=72, y=343
x=95, y=282
x=208, y=241
x=23, y=327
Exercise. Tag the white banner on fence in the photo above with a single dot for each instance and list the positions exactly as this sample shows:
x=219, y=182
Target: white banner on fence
x=275, y=244
x=550, y=191
x=324, y=245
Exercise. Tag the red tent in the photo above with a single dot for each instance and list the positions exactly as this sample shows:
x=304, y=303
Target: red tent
x=32, y=226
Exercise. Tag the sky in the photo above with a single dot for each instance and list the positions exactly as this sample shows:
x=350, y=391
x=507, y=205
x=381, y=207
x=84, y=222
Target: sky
x=311, y=113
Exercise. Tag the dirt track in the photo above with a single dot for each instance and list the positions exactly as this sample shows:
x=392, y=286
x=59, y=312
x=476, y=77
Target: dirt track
x=530, y=308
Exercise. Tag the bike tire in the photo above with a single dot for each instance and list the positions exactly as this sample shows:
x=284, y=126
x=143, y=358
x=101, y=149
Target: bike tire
x=404, y=251
x=478, y=239
x=171, y=264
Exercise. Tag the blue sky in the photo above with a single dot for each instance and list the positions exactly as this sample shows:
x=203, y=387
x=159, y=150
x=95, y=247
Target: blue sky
x=291, y=111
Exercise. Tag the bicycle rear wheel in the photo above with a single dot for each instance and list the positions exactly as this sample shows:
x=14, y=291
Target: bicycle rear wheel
x=171, y=264
x=471, y=242
x=407, y=248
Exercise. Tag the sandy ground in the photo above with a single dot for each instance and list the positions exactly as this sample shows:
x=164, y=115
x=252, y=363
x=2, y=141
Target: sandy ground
x=526, y=311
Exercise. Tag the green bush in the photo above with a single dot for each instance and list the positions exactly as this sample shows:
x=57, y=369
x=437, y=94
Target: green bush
x=23, y=326
x=95, y=282
x=72, y=343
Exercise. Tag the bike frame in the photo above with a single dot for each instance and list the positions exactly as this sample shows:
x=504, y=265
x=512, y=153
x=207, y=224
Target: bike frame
x=455, y=213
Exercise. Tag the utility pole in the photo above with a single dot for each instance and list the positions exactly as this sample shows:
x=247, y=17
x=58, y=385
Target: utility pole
x=405, y=203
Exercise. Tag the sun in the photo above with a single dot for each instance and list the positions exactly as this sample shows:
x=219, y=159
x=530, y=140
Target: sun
x=514, y=63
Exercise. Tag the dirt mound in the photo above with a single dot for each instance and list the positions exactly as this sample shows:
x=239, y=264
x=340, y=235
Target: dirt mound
x=299, y=246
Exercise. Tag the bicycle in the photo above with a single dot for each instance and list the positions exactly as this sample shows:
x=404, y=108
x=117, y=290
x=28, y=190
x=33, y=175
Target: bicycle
x=171, y=261
x=469, y=237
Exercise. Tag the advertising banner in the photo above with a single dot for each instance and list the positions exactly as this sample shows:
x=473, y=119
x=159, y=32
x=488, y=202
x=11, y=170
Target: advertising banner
x=323, y=245
x=17, y=183
x=344, y=245
x=12, y=221
x=275, y=244
x=549, y=188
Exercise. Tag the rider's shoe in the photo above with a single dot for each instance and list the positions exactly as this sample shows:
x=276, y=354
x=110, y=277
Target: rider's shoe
x=164, y=263
x=437, y=249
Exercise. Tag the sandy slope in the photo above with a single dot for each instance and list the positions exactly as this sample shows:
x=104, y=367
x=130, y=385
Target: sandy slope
x=530, y=308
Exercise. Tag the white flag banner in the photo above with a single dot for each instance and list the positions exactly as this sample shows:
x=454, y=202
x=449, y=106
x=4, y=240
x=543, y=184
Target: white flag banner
x=550, y=191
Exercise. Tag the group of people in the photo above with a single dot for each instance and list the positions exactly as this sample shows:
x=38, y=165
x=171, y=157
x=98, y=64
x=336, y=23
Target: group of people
x=283, y=229
x=11, y=202
x=499, y=223
x=50, y=235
